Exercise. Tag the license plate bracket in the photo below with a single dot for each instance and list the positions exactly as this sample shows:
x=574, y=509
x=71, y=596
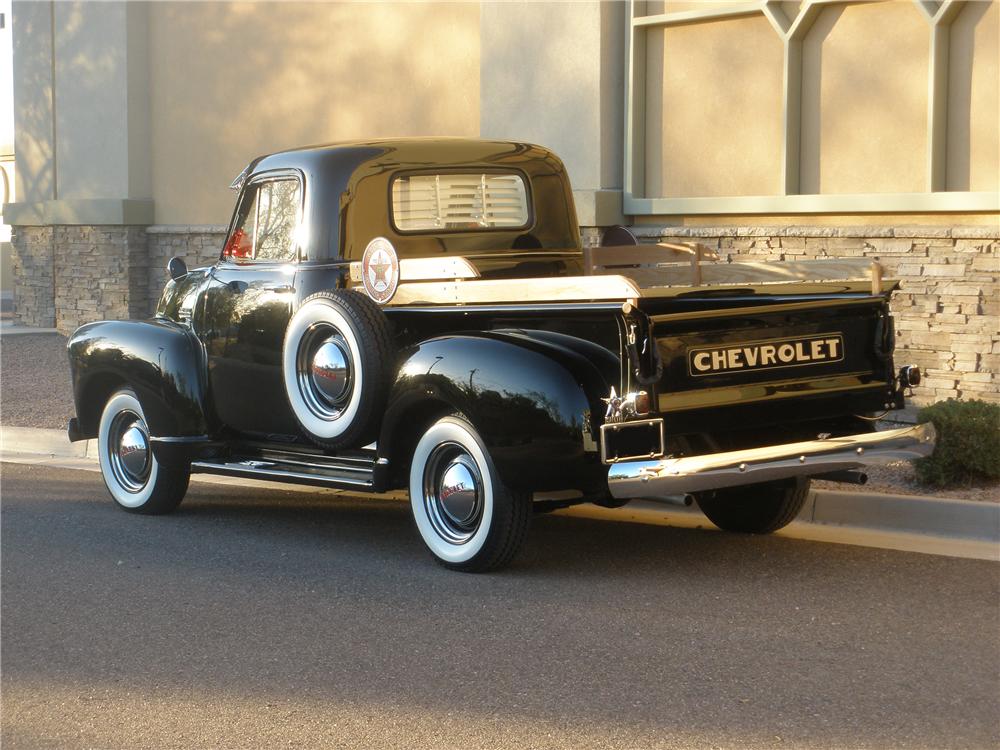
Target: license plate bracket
x=630, y=441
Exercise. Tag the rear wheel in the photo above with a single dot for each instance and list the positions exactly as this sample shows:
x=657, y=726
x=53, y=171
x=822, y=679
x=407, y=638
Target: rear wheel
x=756, y=508
x=136, y=481
x=466, y=516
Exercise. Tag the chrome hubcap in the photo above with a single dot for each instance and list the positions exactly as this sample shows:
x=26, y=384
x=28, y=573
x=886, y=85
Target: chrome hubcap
x=325, y=371
x=453, y=493
x=458, y=492
x=128, y=448
x=134, y=451
x=330, y=370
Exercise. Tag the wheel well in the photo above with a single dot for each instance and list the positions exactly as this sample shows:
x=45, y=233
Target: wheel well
x=92, y=400
x=409, y=428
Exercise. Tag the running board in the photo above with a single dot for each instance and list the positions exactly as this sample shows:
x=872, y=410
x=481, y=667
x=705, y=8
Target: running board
x=318, y=471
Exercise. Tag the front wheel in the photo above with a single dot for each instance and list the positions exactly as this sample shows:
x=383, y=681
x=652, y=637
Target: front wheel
x=136, y=480
x=466, y=516
x=756, y=508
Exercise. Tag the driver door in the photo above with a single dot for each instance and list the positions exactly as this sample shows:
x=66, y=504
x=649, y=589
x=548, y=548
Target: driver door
x=248, y=305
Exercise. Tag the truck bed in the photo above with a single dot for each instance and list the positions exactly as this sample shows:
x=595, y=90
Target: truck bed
x=626, y=278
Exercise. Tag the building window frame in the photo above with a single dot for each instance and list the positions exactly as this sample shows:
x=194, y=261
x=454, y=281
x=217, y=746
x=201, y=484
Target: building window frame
x=790, y=200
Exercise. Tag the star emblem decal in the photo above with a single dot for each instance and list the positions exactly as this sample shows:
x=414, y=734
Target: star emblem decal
x=380, y=266
x=380, y=270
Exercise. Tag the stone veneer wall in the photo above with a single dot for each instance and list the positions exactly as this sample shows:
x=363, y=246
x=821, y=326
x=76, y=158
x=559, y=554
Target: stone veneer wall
x=66, y=276
x=947, y=310
x=197, y=245
x=69, y=275
x=101, y=272
x=34, y=282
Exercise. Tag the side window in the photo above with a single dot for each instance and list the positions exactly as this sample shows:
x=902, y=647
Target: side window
x=266, y=223
x=277, y=219
x=239, y=246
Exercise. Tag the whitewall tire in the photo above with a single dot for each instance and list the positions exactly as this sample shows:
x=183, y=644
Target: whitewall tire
x=136, y=481
x=465, y=515
x=336, y=363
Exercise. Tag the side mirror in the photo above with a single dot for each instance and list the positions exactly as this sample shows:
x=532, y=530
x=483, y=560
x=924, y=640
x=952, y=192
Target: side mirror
x=176, y=267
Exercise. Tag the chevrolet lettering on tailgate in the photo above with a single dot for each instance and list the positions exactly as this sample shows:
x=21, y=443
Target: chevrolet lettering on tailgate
x=763, y=355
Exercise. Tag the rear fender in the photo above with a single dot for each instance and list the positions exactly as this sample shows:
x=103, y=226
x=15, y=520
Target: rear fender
x=533, y=402
x=163, y=362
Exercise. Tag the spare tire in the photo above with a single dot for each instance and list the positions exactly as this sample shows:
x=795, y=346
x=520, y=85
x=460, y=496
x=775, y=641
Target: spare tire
x=337, y=361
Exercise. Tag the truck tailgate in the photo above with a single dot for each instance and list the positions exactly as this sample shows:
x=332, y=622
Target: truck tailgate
x=773, y=353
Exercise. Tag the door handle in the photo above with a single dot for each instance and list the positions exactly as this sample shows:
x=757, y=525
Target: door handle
x=279, y=289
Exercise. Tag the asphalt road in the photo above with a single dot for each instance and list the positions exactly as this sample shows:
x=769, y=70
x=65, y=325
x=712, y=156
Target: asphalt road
x=263, y=619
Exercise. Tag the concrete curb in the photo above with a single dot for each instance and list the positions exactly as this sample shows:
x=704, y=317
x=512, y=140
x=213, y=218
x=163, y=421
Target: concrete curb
x=945, y=518
x=11, y=329
x=961, y=519
x=38, y=441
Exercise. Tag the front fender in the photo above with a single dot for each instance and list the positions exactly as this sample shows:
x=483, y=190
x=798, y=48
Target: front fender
x=162, y=361
x=532, y=404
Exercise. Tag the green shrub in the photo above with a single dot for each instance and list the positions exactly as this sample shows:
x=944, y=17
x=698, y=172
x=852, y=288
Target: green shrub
x=968, y=443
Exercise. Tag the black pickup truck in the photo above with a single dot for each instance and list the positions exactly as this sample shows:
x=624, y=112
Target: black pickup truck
x=421, y=314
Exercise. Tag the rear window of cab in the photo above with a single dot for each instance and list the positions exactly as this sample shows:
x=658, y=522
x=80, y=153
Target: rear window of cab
x=460, y=202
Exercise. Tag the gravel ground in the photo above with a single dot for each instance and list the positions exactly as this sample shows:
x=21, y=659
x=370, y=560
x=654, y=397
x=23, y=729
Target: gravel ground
x=35, y=388
x=35, y=391
x=899, y=478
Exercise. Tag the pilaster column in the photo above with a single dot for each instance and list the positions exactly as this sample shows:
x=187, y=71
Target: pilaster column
x=552, y=74
x=82, y=150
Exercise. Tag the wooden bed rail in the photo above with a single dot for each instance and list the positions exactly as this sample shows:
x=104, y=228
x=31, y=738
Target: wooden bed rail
x=598, y=260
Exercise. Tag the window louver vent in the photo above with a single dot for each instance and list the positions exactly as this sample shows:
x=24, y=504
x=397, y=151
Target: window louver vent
x=424, y=202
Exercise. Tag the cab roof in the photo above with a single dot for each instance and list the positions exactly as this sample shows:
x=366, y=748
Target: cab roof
x=348, y=187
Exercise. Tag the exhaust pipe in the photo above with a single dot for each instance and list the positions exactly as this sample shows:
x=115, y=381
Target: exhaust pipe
x=847, y=477
x=683, y=501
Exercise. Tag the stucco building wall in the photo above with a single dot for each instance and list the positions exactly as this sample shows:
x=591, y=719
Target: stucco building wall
x=230, y=82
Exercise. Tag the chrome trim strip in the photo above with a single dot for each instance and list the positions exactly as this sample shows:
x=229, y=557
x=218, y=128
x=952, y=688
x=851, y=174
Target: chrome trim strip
x=674, y=476
x=427, y=269
x=277, y=475
x=487, y=291
x=727, y=312
x=735, y=395
x=265, y=452
x=331, y=465
x=508, y=309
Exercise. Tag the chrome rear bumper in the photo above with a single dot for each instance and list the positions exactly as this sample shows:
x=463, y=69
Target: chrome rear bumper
x=676, y=476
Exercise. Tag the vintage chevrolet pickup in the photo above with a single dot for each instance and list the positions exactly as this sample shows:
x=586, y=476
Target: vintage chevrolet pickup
x=421, y=314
